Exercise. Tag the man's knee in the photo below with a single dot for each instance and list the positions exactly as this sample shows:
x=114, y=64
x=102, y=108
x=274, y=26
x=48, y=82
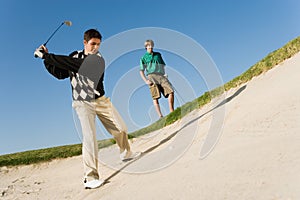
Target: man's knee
x=155, y=102
x=171, y=95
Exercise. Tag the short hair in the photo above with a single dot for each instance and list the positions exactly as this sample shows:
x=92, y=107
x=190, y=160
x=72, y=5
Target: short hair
x=92, y=33
x=149, y=42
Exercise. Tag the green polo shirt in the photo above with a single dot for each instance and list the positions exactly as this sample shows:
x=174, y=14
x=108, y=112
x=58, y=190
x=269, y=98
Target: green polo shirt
x=152, y=63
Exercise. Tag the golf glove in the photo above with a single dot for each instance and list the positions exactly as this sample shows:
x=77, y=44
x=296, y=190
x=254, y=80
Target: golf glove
x=39, y=52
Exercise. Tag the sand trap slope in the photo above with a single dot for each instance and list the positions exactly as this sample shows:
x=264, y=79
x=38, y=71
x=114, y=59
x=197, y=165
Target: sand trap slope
x=257, y=155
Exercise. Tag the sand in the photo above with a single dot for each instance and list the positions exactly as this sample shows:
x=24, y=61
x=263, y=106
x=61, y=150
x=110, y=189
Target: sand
x=254, y=131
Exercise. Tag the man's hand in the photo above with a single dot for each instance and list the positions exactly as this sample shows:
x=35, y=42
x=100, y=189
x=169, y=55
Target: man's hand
x=149, y=82
x=39, y=52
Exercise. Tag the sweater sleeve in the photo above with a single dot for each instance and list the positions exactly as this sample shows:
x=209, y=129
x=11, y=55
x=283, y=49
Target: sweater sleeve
x=56, y=72
x=63, y=62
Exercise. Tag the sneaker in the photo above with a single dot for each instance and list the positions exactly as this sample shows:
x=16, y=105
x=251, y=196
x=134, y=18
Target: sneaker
x=129, y=155
x=93, y=184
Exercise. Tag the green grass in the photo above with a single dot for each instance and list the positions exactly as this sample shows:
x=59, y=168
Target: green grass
x=267, y=63
x=47, y=154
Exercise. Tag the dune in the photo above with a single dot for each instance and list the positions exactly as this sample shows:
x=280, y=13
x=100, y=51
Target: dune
x=256, y=154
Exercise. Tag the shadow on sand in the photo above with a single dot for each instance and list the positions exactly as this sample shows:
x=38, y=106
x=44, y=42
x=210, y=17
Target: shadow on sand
x=107, y=180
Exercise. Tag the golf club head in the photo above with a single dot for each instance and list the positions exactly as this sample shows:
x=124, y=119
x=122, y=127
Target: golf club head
x=68, y=23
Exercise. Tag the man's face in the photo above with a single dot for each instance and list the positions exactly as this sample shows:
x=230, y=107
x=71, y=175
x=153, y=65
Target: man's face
x=91, y=46
x=149, y=48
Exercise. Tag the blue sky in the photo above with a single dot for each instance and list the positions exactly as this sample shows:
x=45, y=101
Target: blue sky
x=36, y=109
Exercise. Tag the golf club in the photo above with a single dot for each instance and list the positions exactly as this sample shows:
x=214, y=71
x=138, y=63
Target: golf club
x=68, y=23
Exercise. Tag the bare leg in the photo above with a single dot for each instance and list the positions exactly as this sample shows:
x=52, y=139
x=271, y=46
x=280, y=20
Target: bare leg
x=171, y=101
x=157, y=107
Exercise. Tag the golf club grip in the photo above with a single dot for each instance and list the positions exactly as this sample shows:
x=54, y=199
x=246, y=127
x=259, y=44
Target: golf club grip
x=40, y=51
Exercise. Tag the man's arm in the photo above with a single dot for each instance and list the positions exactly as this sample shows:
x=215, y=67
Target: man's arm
x=63, y=62
x=144, y=78
x=142, y=69
x=161, y=60
x=57, y=72
x=58, y=61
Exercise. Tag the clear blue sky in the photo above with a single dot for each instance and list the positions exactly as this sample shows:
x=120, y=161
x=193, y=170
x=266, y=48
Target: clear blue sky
x=36, y=109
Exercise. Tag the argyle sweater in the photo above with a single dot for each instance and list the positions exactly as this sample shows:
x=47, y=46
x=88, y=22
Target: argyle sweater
x=86, y=86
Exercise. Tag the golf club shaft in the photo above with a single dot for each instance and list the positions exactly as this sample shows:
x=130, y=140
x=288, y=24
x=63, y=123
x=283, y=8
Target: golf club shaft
x=53, y=34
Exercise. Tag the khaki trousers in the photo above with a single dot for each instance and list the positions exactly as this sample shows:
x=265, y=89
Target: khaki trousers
x=111, y=120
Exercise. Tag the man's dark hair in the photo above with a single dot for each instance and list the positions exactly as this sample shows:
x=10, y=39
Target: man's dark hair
x=92, y=33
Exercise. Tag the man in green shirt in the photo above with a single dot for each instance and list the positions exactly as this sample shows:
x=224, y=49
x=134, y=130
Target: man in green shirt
x=155, y=77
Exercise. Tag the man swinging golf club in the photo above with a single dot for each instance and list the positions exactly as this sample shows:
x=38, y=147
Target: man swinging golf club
x=85, y=69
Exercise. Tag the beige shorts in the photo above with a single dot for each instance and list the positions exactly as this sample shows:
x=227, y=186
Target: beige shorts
x=160, y=85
